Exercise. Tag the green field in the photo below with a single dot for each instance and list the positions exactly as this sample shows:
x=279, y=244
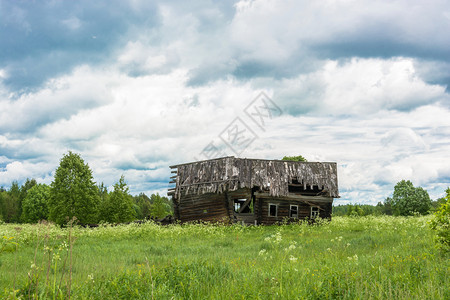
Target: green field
x=348, y=258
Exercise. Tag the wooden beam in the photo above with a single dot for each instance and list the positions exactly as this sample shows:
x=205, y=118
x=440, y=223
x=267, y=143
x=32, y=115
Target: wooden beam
x=246, y=203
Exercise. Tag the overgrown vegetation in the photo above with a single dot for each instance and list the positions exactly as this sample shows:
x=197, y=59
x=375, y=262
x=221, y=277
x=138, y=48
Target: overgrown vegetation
x=441, y=223
x=359, y=257
x=294, y=158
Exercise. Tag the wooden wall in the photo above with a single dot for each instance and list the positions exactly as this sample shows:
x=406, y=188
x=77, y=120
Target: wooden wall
x=206, y=207
x=219, y=207
x=304, y=209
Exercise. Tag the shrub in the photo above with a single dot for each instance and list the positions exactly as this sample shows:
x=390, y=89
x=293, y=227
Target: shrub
x=441, y=223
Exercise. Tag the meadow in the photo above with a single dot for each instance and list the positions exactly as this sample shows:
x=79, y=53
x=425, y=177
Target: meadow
x=370, y=257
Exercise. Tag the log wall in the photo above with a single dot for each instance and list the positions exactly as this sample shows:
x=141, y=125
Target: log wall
x=284, y=203
x=205, y=207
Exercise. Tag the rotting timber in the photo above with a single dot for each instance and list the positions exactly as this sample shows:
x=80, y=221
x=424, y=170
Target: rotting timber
x=253, y=191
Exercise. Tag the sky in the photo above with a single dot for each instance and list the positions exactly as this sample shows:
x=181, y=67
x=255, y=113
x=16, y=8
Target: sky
x=136, y=86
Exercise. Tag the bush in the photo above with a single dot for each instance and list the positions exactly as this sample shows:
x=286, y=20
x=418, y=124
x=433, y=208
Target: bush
x=441, y=223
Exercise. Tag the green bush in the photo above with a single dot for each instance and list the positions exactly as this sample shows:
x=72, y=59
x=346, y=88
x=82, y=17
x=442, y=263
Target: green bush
x=441, y=223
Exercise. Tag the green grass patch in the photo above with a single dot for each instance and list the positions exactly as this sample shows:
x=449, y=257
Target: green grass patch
x=348, y=258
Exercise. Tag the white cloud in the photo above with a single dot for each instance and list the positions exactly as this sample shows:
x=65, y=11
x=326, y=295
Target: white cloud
x=168, y=90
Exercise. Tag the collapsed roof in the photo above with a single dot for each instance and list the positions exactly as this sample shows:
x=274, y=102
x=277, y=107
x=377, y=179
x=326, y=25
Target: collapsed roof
x=275, y=176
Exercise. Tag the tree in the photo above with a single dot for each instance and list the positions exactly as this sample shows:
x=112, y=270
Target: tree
x=2, y=195
x=441, y=223
x=35, y=204
x=119, y=208
x=73, y=192
x=408, y=200
x=142, y=206
x=9, y=201
x=294, y=158
x=23, y=191
x=160, y=206
x=103, y=202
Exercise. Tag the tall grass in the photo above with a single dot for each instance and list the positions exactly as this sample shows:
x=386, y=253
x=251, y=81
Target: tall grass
x=348, y=258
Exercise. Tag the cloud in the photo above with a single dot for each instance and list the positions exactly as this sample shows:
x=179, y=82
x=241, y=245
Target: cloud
x=44, y=39
x=59, y=99
x=137, y=86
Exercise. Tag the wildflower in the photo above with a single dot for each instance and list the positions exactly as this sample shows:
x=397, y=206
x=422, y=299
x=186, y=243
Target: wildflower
x=293, y=259
x=354, y=257
x=262, y=252
x=278, y=238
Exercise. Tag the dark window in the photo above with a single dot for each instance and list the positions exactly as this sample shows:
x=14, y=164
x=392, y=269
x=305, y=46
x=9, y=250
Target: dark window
x=314, y=212
x=243, y=206
x=293, y=211
x=297, y=187
x=273, y=210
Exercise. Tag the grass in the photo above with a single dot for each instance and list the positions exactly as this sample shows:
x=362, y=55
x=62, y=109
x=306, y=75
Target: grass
x=349, y=258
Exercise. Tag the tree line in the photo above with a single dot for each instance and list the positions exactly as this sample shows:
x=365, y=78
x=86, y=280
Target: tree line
x=406, y=200
x=73, y=193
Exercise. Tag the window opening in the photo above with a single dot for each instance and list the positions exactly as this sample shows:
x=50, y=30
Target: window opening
x=273, y=210
x=293, y=211
x=314, y=212
x=243, y=206
x=301, y=188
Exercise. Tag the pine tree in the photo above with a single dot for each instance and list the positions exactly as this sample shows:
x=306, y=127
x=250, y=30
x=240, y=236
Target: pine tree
x=119, y=207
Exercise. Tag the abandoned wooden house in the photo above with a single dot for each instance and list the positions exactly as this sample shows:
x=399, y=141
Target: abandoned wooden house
x=253, y=191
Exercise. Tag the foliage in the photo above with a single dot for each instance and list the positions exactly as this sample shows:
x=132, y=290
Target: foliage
x=359, y=210
x=348, y=258
x=294, y=158
x=355, y=210
x=35, y=206
x=119, y=206
x=73, y=192
x=161, y=206
x=142, y=205
x=103, y=201
x=7, y=244
x=11, y=201
x=29, y=183
x=408, y=200
x=441, y=223
x=2, y=196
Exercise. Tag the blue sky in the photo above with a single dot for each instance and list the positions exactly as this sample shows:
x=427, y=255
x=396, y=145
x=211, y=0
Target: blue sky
x=136, y=86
